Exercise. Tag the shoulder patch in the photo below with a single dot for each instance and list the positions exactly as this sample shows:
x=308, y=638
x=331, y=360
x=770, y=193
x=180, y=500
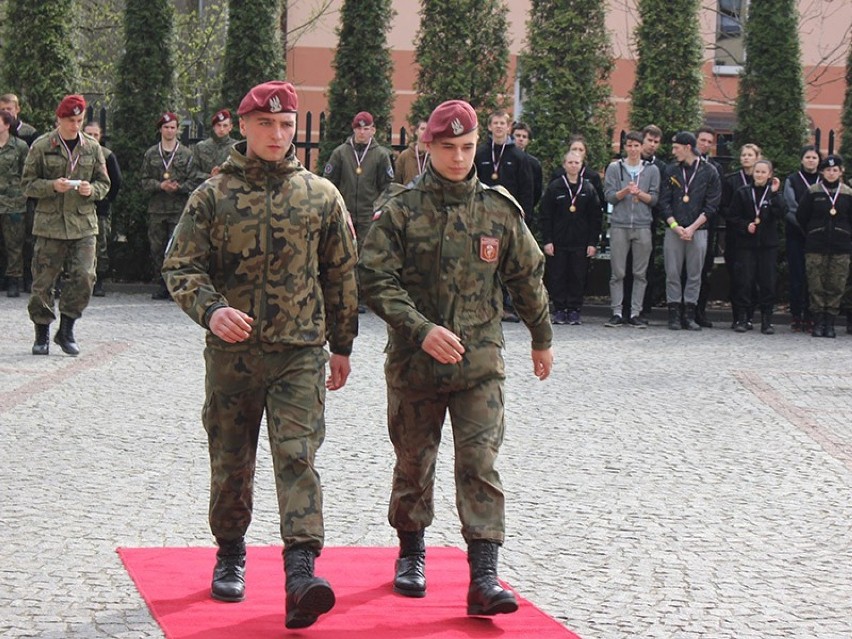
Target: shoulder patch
x=390, y=171
x=328, y=169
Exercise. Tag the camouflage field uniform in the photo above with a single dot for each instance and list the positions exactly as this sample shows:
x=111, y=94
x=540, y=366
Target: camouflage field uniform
x=164, y=208
x=210, y=153
x=13, y=204
x=360, y=190
x=65, y=224
x=435, y=256
x=272, y=240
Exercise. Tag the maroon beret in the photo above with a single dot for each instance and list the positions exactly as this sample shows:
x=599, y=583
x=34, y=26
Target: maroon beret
x=450, y=120
x=71, y=105
x=168, y=116
x=270, y=97
x=220, y=116
x=362, y=119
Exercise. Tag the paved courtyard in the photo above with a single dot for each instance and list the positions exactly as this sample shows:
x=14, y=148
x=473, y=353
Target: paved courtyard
x=660, y=484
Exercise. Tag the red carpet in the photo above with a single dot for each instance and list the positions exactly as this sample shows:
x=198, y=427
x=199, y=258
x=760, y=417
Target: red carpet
x=175, y=583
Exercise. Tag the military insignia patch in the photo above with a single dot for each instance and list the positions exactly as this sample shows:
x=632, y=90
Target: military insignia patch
x=489, y=248
x=328, y=169
x=274, y=104
x=390, y=171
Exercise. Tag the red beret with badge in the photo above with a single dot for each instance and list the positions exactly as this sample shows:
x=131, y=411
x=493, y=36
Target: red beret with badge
x=270, y=97
x=220, y=116
x=71, y=105
x=362, y=119
x=167, y=117
x=450, y=119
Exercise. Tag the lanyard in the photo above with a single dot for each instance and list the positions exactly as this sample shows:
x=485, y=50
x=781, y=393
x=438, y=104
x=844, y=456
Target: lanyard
x=691, y=178
x=573, y=207
x=73, y=158
x=833, y=210
x=758, y=205
x=359, y=160
x=167, y=163
x=496, y=161
x=420, y=166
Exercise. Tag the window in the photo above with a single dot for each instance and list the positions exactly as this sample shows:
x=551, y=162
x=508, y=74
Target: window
x=730, y=49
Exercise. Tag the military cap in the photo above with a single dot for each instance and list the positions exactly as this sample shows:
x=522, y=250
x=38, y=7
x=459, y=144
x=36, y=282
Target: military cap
x=71, y=105
x=362, y=119
x=450, y=120
x=220, y=116
x=831, y=160
x=270, y=97
x=167, y=117
x=685, y=138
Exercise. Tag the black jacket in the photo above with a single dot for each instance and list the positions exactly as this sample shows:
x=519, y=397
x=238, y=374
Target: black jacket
x=741, y=213
x=705, y=191
x=563, y=228
x=825, y=233
x=513, y=171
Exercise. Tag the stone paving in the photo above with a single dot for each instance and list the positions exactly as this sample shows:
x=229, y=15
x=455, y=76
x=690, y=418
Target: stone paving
x=660, y=484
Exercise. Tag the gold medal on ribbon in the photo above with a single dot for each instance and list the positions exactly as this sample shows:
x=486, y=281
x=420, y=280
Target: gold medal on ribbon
x=166, y=175
x=358, y=170
x=833, y=211
x=572, y=208
x=494, y=175
x=686, y=198
x=756, y=221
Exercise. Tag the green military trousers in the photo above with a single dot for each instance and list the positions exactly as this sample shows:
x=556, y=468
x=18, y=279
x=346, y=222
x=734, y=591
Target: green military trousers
x=415, y=420
x=50, y=256
x=827, y=275
x=289, y=385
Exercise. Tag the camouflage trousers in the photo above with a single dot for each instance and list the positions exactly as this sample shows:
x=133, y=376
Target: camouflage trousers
x=160, y=231
x=415, y=420
x=289, y=385
x=104, y=230
x=827, y=275
x=49, y=257
x=14, y=237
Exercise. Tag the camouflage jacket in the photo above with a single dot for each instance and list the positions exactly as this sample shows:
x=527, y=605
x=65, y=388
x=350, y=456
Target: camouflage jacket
x=435, y=255
x=360, y=190
x=25, y=132
x=13, y=154
x=182, y=169
x=64, y=216
x=274, y=241
x=210, y=153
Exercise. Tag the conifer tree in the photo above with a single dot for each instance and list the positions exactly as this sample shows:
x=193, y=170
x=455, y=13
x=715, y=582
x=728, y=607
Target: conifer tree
x=253, y=49
x=38, y=59
x=143, y=92
x=363, y=72
x=846, y=117
x=771, y=100
x=462, y=53
x=667, y=89
x=564, y=74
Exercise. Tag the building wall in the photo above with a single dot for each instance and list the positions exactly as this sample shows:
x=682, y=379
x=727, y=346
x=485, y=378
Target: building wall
x=824, y=30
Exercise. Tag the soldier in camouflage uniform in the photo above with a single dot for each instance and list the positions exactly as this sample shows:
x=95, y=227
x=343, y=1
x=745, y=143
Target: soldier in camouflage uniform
x=431, y=267
x=264, y=258
x=66, y=173
x=209, y=154
x=13, y=204
x=104, y=209
x=169, y=174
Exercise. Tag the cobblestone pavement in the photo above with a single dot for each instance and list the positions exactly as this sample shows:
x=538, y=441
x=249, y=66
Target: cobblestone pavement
x=660, y=484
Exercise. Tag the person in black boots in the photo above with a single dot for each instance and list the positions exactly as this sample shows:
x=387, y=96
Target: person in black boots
x=689, y=198
x=66, y=172
x=825, y=214
x=754, y=215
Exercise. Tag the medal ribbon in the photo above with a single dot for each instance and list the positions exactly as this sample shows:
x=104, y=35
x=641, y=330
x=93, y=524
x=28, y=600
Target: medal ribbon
x=359, y=160
x=167, y=164
x=568, y=186
x=496, y=162
x=420, y=167
x=73, y=158
x=744, y=177
x=805, y=180
x=758, y=205
x=833, y=199
x=691, y=177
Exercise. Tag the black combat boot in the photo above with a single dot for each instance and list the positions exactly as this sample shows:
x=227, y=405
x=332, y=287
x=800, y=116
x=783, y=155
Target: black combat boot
x=741, y=323
x=486, y=596
x=819, y=325
x=828, y=325
x=674, y=317
x=41, y=346
x=410, y=577
x=307, y=596
x=162, y=292
x=13, y=288
x=701, y=317
x=98, y=290
x=689, y=322
x=229, y=575
x=65, y=336
x=766, y=323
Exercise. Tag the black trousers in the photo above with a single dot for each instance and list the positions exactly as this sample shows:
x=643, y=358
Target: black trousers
x=755, y=266
x=565, y=277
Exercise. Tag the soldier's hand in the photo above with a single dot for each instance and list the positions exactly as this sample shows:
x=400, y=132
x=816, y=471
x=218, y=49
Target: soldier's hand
x=548, y=249
x=542, y=363
x=339, y=370
x=230, y=325
x=62, y=185
x=85, y=188
x=443, y=345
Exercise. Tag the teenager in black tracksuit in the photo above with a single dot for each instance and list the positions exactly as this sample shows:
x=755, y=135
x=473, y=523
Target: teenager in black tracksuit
x=570, y=230
x=825, y=214
x=754, y=215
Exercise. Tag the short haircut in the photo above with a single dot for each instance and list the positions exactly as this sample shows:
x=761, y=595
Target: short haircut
x=92, y=123
x=706, y=129
x=807, y=149
x=10, y=97
x=635, y=136
x=522, y=126
x=8, y=119
x=652, y=129
x=499, y=113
